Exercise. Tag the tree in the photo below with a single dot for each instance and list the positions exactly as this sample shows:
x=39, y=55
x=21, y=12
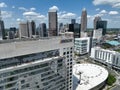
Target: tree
x=111, y=79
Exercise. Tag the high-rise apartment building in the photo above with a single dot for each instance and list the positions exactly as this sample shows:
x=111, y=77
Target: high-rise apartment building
x=41, y=64
x=53, y=23
x=84, y=20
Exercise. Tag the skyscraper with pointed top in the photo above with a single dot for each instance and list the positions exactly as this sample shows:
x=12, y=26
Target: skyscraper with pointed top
x=2, y=30
x=84, y=20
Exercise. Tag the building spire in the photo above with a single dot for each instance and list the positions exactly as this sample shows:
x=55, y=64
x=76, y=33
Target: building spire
x=84, y=9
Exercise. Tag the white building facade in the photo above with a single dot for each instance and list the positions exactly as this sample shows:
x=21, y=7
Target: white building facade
x=98, y=34
x=41, y=64
x=83, y=45
x=107, y=57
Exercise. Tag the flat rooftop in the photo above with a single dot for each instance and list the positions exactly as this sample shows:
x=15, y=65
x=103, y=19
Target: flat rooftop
x=113, y=43
x=13, y=48
x=91, y=76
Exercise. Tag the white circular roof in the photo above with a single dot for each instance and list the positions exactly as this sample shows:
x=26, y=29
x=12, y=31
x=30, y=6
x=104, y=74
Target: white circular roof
x=91, y=76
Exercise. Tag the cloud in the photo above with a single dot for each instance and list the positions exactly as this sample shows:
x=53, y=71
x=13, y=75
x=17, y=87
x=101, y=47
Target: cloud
x=113, y=3
x=34, y=15
x=23, y=8
x=66, y=15
x=2, y=4
x=88, y=16
x=117, y=5
x=113, y=12
x=13, y=6
x=41, y=17
x=32, y=9
x=18, y=19
x=99, y=14
x=6, y=14
x=103, y=12
x=97, y=9
x=30, y=13
x=54, y=8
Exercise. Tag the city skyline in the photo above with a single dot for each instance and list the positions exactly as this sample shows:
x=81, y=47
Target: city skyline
x=13, y=11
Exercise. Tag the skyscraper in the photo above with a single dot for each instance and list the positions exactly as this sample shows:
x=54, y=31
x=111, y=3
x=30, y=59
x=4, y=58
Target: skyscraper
x=73, y=21
x=75, y=28
x=2, y=30
x=31, y=28
x=23, y=30
x=97, y=18
x=53, y=23
x=84, y=20
x=103, y=25
x=43, y=30
x=27, y=29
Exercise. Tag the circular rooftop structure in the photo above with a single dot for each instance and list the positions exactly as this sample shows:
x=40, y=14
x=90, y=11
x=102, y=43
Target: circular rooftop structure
x=88, y=76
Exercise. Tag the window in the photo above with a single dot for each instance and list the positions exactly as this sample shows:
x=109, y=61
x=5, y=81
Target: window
x=117, y=60
x=64, y=53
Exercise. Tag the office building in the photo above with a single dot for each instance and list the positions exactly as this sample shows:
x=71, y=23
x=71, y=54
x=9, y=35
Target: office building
x=61, y=28
x=97, y=33
x=84, y=45
x=2, y=29
x=73, y=21
x=75, y=28
x=31, y=28
x=27, y=29
x=13, y=29
x=11, y=34
x=43, y=30
x=103, y=25
x=23, y=30
x=39, y=64
x=107, y=57
x=52, y=14
x=84, y=20
x=97, y=18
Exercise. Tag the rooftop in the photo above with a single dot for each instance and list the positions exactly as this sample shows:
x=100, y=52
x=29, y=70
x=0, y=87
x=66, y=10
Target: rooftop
x=91, y=76
x=13, y=48
x=113, y=43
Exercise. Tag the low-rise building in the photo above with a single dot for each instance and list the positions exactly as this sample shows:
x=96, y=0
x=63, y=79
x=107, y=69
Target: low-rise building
x=107, y=57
